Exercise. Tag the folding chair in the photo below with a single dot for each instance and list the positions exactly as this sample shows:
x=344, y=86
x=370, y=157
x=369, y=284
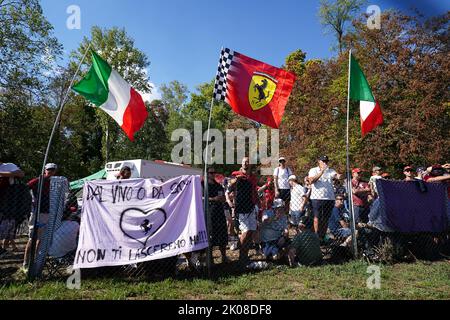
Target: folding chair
x=57, y=267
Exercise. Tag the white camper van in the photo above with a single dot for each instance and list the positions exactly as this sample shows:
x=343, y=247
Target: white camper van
x=160, y=170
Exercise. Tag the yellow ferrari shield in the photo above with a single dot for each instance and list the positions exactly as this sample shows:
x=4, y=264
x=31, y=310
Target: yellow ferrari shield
x=262, y=88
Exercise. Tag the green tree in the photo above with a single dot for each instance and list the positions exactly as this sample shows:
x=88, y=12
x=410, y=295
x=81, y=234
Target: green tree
x=336, y=14
x=28, y=56
x=406, y=63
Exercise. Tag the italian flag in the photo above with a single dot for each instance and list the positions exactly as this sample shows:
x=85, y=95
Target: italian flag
x=369, y=108
x=105, y=88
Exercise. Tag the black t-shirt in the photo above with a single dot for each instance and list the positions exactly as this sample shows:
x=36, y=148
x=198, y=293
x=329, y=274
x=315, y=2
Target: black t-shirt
x=243, y=198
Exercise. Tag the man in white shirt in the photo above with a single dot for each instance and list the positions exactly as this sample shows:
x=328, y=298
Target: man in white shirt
x=281, y=180
x=298, y=201
x=322, y=195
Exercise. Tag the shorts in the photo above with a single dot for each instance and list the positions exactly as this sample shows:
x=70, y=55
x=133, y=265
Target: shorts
x=322, y=208
x=7, y=229
x=42, y=223
x=247, y=221
x=227, y=214
x=285, y=194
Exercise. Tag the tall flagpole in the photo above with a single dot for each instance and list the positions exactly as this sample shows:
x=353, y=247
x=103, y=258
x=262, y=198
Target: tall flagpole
x=31, y=271
x=349, y=177
x=206, y=193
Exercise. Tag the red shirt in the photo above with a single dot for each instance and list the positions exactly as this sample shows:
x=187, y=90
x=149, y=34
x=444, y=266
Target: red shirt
x=361, y=198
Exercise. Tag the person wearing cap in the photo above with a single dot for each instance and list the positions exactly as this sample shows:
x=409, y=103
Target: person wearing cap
x=421, y=172
x=339, y=223
x=376, y=174
x=33, y=184
x=274, y=230
x=322, y=194
x=280, y=179
x=408, y=171
x=361, y=191
x=299, y=198
x=304, y=248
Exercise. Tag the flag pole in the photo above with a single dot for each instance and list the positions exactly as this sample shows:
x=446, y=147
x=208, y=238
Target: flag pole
x=31, y=271
x=349, y=177
x=205, y=183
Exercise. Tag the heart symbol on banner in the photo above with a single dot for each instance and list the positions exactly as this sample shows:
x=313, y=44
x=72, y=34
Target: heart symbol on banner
x=136, y=224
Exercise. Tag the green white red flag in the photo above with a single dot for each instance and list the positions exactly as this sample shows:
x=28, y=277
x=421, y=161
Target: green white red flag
x=369, y=108
x=105, y=88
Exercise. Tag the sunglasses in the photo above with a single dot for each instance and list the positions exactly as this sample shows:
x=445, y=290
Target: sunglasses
x=408, y=170
x=339, y=199
x=211, y=172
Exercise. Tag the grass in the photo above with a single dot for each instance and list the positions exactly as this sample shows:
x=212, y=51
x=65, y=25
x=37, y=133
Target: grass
x=347, y=281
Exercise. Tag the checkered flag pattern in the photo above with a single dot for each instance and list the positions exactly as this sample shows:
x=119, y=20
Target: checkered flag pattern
x=220, y=85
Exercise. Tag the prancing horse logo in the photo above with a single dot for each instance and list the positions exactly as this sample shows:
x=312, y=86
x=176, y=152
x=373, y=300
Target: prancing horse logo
x=261, y=91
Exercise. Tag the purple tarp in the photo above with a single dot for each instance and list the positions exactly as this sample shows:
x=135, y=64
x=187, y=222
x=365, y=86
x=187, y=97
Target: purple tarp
x=407, y=208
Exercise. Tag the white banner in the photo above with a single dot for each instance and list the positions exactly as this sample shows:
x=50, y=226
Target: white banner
x=130, y=221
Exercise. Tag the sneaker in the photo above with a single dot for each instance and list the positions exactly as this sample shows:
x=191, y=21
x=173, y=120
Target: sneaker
x=233, y=246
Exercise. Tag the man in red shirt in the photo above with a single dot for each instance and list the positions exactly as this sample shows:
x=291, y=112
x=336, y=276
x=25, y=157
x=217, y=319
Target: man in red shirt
x=361, y=191
x=33, y=184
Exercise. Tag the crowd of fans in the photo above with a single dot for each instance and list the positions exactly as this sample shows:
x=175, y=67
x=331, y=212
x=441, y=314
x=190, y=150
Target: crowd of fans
x=283, y=217
x=290, y=218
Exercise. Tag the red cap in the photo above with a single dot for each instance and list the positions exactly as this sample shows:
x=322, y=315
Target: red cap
x=356, y=170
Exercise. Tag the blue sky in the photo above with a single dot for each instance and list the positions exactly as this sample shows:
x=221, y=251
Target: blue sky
x=183, y=38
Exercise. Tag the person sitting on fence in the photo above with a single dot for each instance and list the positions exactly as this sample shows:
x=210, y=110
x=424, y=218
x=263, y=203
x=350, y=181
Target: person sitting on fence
x=274, y=230
x=339, y=223
x=305, y=247
x=299, y=198
x=65, y=238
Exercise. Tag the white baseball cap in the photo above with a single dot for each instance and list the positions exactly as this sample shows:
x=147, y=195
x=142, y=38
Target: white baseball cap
x=292, y=177
x=50, y=166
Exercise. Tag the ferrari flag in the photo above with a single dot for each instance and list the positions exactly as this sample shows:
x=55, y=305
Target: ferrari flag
x=253, y=88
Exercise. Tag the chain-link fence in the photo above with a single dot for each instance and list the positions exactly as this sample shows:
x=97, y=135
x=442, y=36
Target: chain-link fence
x=253, y=222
